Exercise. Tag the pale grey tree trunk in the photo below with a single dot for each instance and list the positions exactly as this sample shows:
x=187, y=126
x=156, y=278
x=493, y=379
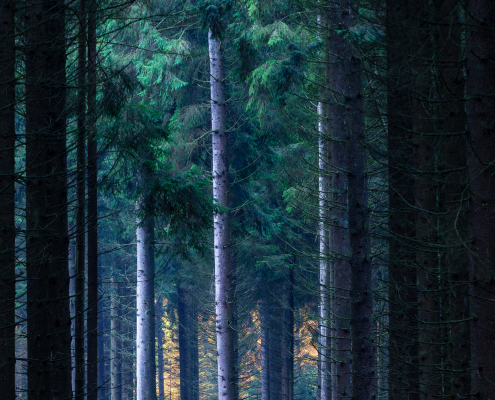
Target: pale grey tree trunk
x=223, y=292
x=145, y=298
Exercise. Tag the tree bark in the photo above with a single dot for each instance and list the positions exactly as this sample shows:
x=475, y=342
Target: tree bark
x=79, y=330
x=92, y=340
x=453, y=180
x=265, y=349
x=115, y=340
x=361, y=277
x=288, y=337
x=186, y=351
x=159, y=352
x=341, y=350
x=402, y=349
x=221, y=220
x=48, y=313
x=145, y=295
x=7, y=198
x=480, y=107
x=325, y=262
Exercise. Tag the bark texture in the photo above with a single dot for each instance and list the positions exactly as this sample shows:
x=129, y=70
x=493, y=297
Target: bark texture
x=115, y=340
x=48, y=327
x=7, y=198
x=480, y=107
x=403, y=377
x=221, y=221
x=145, y=297
x=92, y=327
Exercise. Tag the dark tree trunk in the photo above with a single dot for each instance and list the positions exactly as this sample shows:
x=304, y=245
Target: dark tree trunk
x=361, y=278
x=48, y=331
x=403, y=376
x=288, y=337
x=264, y=313
x=453, y=179
x=341, y=348
x=7, y=198
x=480, y=107
x=115, y=340
x=92, y=340
x=79, y=330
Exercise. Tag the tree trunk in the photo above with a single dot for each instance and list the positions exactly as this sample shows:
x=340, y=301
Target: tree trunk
x=453, y=179
x=288, y=337
x=92, y=340
x=115, y=340
x=159, y=352
x=275, y=356
x=128, y=343
x=341, y=350
x=402, y=349
x=79, y=330
x=145, y=296
x=325, y=262
x=48, y=313
x=264, y=313
x=221, y=220
x=7, y=198
x=102, y=361
x=361, y=277
x=186, y=351
x=480, y=107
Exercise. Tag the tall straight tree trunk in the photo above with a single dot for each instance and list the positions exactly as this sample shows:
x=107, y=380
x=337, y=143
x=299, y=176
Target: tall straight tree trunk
x=102, y=361
x=115, y=341
x=186, y=351
x=275, y=356
x=288, y=337
x=341, y=350
x=402, y=349
x=221, y=221
x=264, y=313
x=128, y=342
x=361, y=277
x=7, y=198
x=480, y=107
x=195, y=338
x=159, y=350
x=79, y=330
x=145, y=298
x=92, y=340
x=453, y=224
x=48, y=311
x=325, y=262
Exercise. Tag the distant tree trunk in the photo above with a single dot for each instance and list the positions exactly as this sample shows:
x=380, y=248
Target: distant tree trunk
x=79, y=330
x=7, y=198
x=115, y=341
x=145, y=297
x=48, y=312
x=480, y=107
x=195, y=338
x=361, y=278
x=92, y=340
x=341, y=350
x=288, y=337
x=402, y=350
x=72, y=306
x=264, y=313
x=102, y=361
x=220, y=172
x=275, y=338
x=234, y=323
x=159, y=343
x=325, y=262
x=186, y=351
